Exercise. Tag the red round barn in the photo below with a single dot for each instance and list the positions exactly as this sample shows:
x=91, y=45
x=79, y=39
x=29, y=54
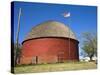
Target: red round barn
x=49, y=42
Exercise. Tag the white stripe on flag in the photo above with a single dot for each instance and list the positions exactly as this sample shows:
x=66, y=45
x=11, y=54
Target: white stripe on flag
x=66, y=14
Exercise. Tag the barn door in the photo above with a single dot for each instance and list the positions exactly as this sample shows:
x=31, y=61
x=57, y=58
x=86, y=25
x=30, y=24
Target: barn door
x=35, y=60
x=61, y=57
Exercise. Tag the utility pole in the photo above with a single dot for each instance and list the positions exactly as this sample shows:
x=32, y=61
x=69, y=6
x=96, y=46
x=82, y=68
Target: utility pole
x=17, y=36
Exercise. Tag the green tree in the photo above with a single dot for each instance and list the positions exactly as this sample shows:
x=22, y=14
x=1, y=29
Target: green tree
x=90, y=44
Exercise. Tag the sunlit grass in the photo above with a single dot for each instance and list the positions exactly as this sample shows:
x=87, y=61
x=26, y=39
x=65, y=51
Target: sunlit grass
x=55, y=67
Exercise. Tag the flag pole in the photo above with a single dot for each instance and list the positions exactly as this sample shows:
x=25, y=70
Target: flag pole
x=69, y=38
x=67, y=15
x=17, y=34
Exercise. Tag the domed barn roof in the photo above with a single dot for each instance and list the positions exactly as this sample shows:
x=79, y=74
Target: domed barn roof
x=50, y=29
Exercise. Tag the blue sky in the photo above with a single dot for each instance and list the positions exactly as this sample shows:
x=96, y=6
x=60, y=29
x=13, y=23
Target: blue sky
x=82, y=19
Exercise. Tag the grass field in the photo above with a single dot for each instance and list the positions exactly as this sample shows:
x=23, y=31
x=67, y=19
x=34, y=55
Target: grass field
x=55, y=67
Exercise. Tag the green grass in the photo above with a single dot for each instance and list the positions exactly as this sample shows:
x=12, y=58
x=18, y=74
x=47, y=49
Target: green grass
x=55, y=67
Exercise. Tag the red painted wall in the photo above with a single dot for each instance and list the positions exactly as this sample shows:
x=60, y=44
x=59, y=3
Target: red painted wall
x=49, y=50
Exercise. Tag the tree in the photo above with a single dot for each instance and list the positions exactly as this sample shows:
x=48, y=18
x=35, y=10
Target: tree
x=17, y=53
x=90, y=44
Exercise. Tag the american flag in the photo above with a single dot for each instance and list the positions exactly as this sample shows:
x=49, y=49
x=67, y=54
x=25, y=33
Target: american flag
x=66, y=14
